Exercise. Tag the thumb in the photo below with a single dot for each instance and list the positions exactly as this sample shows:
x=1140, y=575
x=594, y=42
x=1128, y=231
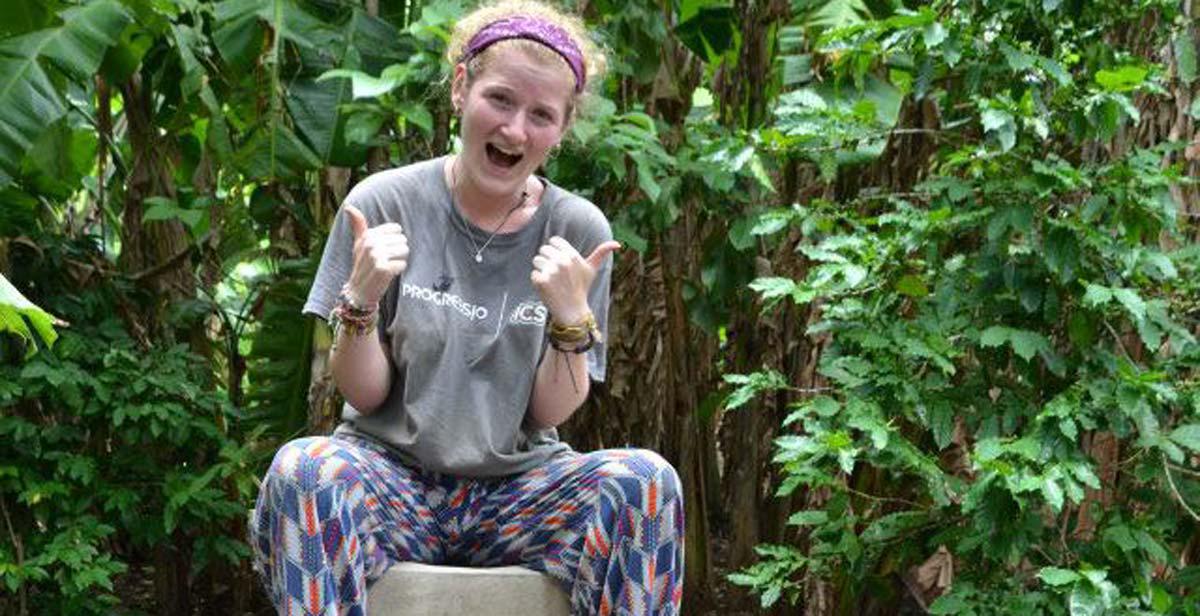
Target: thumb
x=358, y=222
x=596, y=259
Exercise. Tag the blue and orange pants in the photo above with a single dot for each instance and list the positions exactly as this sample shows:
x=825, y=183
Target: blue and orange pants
x=335, y=512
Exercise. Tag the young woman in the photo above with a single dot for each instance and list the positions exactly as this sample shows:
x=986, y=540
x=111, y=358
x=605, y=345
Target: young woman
x=469, y=300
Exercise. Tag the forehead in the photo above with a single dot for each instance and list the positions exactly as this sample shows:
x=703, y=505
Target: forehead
x=528, y=67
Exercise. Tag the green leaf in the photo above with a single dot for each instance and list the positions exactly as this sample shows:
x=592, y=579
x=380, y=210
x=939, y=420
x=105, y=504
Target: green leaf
x=1055, y=576
x=835, y=14
x=949, y=604
x=1122, y=79
x=1185, y=55
x=891, y=526
x=933, y=34
x=419, y=115
x=772, y=221
x=1121, y=537
x=709, y=31
x=322, y=119
x=362, y=84
x=274, y=155
x=771, y=595
x=1026, y=344
x=1053, y=493
x=1096, y=295
x=912, y=286
x=1085, y=601
x=993, y=336
x=15, y=309
x=1062, y=253
x=1018, y=60
x=1000, y=124
x=1187, y=436
x=751, y=385
x=1056, y=72
x=813, y=517
x=1132, y=302
x=362, y=127
x=29, y=100
x=1161, y=265
x=774, y=288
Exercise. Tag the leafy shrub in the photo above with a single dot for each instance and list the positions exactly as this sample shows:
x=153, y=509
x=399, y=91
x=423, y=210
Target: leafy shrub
x=988, y=331
x=108, y=451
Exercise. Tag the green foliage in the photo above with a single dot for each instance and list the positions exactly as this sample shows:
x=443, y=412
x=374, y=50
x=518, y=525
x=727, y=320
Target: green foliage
x=28, y=96
x=105, y=442
x=1019, y=297
x=983, y=327
x=280, y=369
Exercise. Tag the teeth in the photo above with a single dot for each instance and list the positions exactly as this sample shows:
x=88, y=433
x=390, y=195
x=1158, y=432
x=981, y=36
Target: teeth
x=508, y=152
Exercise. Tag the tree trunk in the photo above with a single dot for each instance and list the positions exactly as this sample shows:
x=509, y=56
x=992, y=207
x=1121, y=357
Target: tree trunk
x=171, y=593
x=685, y=367
x=154, y=254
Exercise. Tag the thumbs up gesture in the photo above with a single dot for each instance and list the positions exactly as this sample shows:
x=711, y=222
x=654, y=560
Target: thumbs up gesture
x=563, y=277
x=380, y=254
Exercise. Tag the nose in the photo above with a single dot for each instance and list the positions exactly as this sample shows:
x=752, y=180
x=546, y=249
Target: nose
x=514, y=130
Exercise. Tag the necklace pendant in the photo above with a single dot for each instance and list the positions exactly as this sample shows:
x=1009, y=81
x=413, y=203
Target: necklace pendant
x=478, y=257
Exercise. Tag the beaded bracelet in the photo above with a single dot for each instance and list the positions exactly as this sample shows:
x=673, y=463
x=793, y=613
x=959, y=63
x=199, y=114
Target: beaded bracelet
x=356, y=320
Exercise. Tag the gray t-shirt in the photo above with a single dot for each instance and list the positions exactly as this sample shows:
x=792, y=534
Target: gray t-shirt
x=464, y=338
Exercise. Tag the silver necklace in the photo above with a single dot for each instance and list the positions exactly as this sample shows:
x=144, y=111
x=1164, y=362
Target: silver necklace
x=471, y=234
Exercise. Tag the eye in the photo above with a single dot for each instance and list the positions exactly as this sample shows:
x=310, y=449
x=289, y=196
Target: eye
x=500, y=98
x=544, y=116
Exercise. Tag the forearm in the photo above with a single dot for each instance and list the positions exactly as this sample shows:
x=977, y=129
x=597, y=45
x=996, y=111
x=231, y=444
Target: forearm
x=560, y=387
x=360, y=369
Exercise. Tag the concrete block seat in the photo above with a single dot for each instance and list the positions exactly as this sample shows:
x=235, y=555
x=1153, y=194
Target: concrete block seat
x=412, y=589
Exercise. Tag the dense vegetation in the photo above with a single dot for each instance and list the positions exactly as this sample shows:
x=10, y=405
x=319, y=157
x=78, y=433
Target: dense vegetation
x=910, y=296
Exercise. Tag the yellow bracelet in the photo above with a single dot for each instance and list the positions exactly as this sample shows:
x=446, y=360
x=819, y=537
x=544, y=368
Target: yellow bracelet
x=585, y=331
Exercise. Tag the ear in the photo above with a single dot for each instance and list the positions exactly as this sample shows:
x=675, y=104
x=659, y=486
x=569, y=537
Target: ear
x=458, y=86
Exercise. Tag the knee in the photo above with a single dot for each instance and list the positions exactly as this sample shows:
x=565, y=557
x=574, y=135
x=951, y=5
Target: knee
x=656, y=483
x=310, y=463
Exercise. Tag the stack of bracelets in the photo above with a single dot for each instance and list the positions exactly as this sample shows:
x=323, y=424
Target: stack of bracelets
x=577, y=338
x=356, y=320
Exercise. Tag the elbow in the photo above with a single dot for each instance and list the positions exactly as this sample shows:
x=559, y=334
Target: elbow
x=365, y=402
x=364, y=407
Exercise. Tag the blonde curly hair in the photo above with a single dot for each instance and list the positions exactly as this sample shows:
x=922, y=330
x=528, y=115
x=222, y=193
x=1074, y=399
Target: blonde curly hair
x=594, y=61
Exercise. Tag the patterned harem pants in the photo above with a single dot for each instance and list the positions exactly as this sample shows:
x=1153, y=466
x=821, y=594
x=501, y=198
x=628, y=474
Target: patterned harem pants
x=335, y=512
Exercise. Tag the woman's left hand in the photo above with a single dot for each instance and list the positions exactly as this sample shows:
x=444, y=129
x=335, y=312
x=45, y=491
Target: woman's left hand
x=563, y=277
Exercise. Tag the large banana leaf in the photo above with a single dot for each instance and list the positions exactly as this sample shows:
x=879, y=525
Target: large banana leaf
x=279, y=364
x=29, y=99
x=273, y=150
x=21, y=16
x=275, y=154
x=15, y=309
x=316, y=106
x=831, y=14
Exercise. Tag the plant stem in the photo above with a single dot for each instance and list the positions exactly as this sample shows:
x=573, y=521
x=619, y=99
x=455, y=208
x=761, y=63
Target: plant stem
x=1175, y=490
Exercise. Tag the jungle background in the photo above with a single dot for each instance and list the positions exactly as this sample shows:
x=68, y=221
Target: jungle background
x=909, y=291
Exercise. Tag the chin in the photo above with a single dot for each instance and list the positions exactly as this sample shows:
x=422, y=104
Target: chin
x=501, y=180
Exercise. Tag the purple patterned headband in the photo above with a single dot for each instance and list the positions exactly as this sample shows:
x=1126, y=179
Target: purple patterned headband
x=534, y=29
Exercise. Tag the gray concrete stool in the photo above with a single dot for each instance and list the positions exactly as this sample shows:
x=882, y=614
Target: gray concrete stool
x=412, y=589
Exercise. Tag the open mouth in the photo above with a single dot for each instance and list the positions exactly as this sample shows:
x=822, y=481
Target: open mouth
x=501, y=158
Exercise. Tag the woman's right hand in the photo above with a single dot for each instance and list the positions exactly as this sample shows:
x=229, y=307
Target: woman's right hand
x=380, y=254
